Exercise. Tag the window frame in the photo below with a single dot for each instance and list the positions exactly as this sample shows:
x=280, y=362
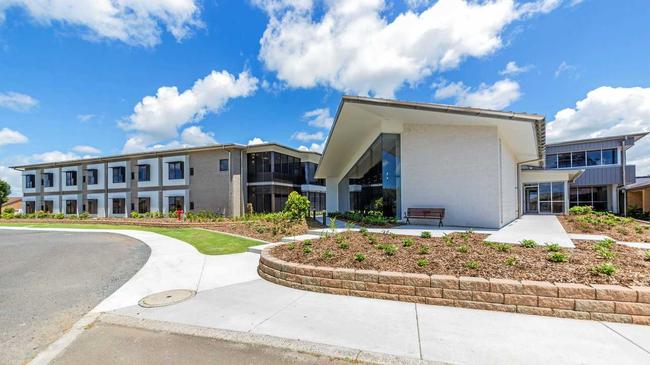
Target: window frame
x=71, y=176
x=92, y=176
x=30, y=178
x=68, y=205
x=122, y=173
x=175, y=170
x=48, y=180
x=147, y=172
x=221, y=165
x=123, y=205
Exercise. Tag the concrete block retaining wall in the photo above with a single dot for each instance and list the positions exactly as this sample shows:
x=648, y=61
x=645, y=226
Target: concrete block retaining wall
x=612, y=303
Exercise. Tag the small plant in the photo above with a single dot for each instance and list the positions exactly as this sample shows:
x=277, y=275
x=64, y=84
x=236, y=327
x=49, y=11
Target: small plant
x=557, y=256
x=511, y=261
x=448, y=239
x=607, y=243
x=306, y=249
x=358, y=257
x=423, y=262
x=462, y=248
x=528, y=243
x=604, y=253
x=425, y=234
x=328, y=254
x=363, y=231
x=291, y=246
x=647, y=255
x=607, y=269
x=473, y=265
x=339, y=238
x=344, y=245
x=372, y=239
x=553, y=247
x=306, y=243
x=407, y=242
x=135, y=214
x=84, y=215
x=423, y=250
x=503, y=247
x=390, y=250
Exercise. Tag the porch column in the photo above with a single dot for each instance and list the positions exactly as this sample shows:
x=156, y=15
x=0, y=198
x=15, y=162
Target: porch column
x=332, y=194
x=566, y=197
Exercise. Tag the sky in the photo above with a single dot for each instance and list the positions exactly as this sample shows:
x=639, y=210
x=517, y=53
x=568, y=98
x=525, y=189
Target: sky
x=81, y=78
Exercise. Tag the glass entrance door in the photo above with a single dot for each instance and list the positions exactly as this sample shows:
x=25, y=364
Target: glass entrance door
x=532, y=199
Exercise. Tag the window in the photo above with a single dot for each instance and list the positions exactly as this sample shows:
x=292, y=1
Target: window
x=176, y=203
x=191, y=205
x=92, y=177
x=593, y=158
x=70, y=206
x=551, y=161
x=175, y=170
x=609, y=157
x=48, y=179
x=30, y=207
x=119, y=174
x=594, y=196
x=144, y=205
x=119, y=205
x=48, y=206
x=578, y=159
x=223, y=165
x=191, y=171
x=144, y=172
x=551, y=197
x=564, y=160
x=70, y=178
x=92, y=206
x=30, y=181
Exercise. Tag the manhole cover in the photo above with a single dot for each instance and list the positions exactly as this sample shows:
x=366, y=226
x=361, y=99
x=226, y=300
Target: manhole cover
x=166, y=298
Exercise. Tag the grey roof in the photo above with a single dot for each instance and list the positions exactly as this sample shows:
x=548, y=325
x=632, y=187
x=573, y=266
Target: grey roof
x=636, y=136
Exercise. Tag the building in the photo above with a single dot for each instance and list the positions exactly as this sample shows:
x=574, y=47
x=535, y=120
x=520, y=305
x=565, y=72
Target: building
x=485, y=167
x=217, y=178
x=13, y=202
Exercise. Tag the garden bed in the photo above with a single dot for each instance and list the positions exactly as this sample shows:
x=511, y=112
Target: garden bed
x=466, y=254
x=618, y=228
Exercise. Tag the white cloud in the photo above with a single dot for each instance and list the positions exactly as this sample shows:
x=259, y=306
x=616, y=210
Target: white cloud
x=353, y=47
x=157, y=118
x=17, y=101
x=86, y=149
x=512, y=69
x=607, y=111
x=314, y=147
x=9, y=136
x=565, y=68
x=319, y=118
x=54, y=156
x=195, y=136
x=85, y=117
x=307, y=137
x=496, y=96
x=13, y=178
x=256, y=140
x=135, y=22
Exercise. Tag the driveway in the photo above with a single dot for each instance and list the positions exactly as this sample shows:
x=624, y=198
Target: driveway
x=49, y=280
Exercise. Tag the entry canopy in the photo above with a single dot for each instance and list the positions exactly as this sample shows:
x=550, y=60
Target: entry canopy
x=359, y=120
x=551, y=175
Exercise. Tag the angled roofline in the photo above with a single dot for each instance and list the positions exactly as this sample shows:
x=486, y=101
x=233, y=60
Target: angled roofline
x=155, y=153
x=636, y=136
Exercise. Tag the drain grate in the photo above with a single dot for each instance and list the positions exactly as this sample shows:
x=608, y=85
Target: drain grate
x=166, y=298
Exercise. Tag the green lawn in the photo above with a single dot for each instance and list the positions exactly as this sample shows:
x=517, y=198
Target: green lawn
x=207, y=242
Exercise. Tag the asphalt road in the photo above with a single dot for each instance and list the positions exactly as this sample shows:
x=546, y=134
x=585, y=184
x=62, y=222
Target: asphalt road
x=49, y=280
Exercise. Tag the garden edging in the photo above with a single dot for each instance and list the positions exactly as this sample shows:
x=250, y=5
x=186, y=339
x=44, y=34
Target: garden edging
x=613, y=303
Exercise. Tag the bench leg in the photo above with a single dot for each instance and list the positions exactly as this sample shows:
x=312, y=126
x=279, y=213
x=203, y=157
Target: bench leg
x=440, y=223
x=407, y=220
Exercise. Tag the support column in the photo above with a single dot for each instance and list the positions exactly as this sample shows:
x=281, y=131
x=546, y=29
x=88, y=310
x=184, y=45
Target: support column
x=332, y=197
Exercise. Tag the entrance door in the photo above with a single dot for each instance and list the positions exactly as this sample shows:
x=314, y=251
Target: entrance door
x=532, y=199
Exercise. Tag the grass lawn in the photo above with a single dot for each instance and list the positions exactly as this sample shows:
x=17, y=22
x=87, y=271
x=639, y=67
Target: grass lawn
x=207, y=242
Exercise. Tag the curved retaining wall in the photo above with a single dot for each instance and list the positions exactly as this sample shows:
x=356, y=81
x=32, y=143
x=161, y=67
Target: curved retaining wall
x=612, y=303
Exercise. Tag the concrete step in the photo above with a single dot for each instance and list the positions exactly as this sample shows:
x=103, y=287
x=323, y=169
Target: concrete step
x=258, y=249
x=301, y=237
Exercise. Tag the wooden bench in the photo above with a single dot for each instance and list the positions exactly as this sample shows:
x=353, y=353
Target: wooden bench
x=426, y=213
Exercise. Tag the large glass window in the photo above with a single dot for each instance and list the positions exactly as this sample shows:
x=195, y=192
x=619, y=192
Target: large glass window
x=259, y=166
x=175, y=170
x=70, y=207
x=578, y=159
x=551, y=197
x=48, y=179
x=119, y=205
x=91, y=176
x=144, y=205
x=582, y=158
x=564, y=160
x=144, y=172
x=551, y=161
x=30, y=181
x=594, y=196
x=119, y=174
x=609, y=157
x=175, y=203
x=593, y=158
x=70, y=178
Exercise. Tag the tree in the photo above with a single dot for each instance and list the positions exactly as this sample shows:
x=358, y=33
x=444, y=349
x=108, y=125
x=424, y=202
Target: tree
x=297, y=206
x=5, y=190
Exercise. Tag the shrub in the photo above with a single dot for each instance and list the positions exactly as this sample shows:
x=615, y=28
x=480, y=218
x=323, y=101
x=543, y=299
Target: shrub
x=423, y=250
x=553, y=247
x=607, y=268
x=511, y=261
x=462, y=248
x=557, y=257
x=472, y=265
x=529, y=243
x=423, y=262
x=306, y=249
x=580, y=210
x=59, y=216
x=6, y=215
x=407, y=242
x=136, y=215
x=328, y=254
x=297, y=206
x=358, y=257
x=344, y=245
x=41, y=214
x=503, y=247
x=84, y=215
x=9, y=210
x=425, y=234
x=390, y=250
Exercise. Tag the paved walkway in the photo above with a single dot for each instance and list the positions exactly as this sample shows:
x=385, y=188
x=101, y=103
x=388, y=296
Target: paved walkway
x=544, y=229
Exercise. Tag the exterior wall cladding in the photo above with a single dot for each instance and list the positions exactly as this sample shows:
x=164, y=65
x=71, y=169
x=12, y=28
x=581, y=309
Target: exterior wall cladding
x=210, y=178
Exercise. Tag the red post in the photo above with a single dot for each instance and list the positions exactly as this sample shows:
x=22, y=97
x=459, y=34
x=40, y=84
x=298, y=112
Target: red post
x=179, y=214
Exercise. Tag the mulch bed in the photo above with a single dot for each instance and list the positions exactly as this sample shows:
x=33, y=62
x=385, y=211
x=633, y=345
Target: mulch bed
x=446, y=259
x=632, y=231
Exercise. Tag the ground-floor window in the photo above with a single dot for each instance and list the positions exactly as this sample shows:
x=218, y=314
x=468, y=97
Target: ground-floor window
x=70, y=207
x=92, y=206
x=316, y=199
x=30, y=207
x=176, y=203
x=594, y=196
x=144, y=205
x=48, y=206
x=544, y=198
x=269, y=198
x=119, y=205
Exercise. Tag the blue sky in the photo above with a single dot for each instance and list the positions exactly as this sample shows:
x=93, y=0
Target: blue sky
x=95, y=78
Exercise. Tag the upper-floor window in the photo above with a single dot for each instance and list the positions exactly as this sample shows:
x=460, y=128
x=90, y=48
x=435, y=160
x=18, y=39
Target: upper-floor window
x=70, y=178
x=175, y=170
x=582, y=158
x=144, y=172
x=119, y=174
x=91, y=176
x=223, y=165
x=48, y=179
x=30, y=181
